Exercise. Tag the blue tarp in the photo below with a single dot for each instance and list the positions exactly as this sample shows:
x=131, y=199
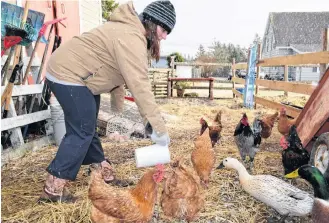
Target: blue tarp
x=248, y=97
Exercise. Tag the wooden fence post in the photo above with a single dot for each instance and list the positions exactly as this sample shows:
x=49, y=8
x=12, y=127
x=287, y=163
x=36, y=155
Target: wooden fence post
x=211, y=89
x=172, y=62
x=323, y=67
x=286, y=77
x=233, y=76
x=154, y=86
x=16, y=136
x=168, y=76
x=257, y=71
x=169, y=88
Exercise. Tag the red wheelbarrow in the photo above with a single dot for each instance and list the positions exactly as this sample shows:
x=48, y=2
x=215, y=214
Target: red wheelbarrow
x=313, y=126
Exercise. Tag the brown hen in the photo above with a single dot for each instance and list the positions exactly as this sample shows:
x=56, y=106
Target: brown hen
x=267, y=123
x=203, y=157
x=215, y=127
x=110, y=204
x=284, y=123
x=182, y=197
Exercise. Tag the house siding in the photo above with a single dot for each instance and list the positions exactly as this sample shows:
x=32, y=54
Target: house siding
x=307, y=74
x=273, y=71
x=90, y=14
x=273, y=47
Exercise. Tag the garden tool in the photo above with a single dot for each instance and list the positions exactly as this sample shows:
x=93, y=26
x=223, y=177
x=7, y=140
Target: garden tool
x=18, y=48
x=39, y=76
x=15, y=31
x=41, y=33
x=46, y=92
x=44, y=55
x=11, y=32
x=6, y=95
x=129, y=98
x=10, y=41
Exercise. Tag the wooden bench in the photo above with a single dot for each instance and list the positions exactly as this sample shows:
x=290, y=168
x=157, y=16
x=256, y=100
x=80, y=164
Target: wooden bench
x=176, y=79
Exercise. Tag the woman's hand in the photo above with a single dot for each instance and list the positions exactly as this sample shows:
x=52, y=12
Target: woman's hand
x=162, y=139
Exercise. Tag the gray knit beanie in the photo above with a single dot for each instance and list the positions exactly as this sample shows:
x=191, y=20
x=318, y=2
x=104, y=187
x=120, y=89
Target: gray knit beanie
x=161, y=13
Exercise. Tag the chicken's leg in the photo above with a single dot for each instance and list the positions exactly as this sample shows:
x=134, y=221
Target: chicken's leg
x=251, y=160
x=244, y=159
x=283, y=218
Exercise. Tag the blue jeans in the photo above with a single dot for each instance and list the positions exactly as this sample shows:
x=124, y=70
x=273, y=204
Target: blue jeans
x=81, y=144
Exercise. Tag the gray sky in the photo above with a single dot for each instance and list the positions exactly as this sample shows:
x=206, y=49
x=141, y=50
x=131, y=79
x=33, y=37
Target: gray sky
x=229, y=21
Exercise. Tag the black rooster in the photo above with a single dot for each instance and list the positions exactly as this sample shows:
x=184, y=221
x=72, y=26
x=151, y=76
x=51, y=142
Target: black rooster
x=246, y=139
x=293, y=155
x=257, y=129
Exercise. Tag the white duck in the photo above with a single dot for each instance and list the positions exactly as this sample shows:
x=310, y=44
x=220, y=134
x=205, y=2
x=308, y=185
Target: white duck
x=286, y=199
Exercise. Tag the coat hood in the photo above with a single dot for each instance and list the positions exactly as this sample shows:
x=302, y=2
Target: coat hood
x=126, y=13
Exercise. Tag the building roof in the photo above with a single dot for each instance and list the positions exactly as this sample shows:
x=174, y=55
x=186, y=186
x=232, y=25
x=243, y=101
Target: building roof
x=301, y=30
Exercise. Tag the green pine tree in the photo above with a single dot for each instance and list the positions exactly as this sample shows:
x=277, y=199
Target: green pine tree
x=108, y=7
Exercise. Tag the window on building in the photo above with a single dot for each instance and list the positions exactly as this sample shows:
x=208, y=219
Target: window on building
x=314, y=69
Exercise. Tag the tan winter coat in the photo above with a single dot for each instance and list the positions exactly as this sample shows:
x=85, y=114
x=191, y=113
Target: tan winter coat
x=106, y=58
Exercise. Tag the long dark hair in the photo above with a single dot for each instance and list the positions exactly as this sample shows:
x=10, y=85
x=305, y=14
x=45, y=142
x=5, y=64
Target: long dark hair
x=153, y=43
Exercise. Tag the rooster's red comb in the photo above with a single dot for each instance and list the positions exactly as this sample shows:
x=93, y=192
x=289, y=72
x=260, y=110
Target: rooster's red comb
x=160, y=167
x=159, y=175
x=283, y=143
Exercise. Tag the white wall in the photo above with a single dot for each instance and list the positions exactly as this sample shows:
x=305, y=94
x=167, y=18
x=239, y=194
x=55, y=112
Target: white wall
x=184, y=71
x=90, y=14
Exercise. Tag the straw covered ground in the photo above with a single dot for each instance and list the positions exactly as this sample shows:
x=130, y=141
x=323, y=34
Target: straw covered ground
x=22, y=180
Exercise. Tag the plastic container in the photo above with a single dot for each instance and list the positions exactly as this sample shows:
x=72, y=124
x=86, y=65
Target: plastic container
x=152, y=155
x=57, y=118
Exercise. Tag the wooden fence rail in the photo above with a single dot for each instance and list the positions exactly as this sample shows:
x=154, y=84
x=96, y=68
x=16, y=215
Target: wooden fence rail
x=295, y=87
x=170, y=85
x=306, y=58
x=317, y=58
x=14, y=121
x=287, y=86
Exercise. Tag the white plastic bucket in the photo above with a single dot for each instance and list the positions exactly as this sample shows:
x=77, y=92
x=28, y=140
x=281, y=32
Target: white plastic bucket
x=152, y=155
x=57, y=118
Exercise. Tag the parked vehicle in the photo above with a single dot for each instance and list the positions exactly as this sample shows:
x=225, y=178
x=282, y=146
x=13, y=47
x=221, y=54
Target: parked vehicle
x=261, y=75
x=277, y=77
x=243, y=74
